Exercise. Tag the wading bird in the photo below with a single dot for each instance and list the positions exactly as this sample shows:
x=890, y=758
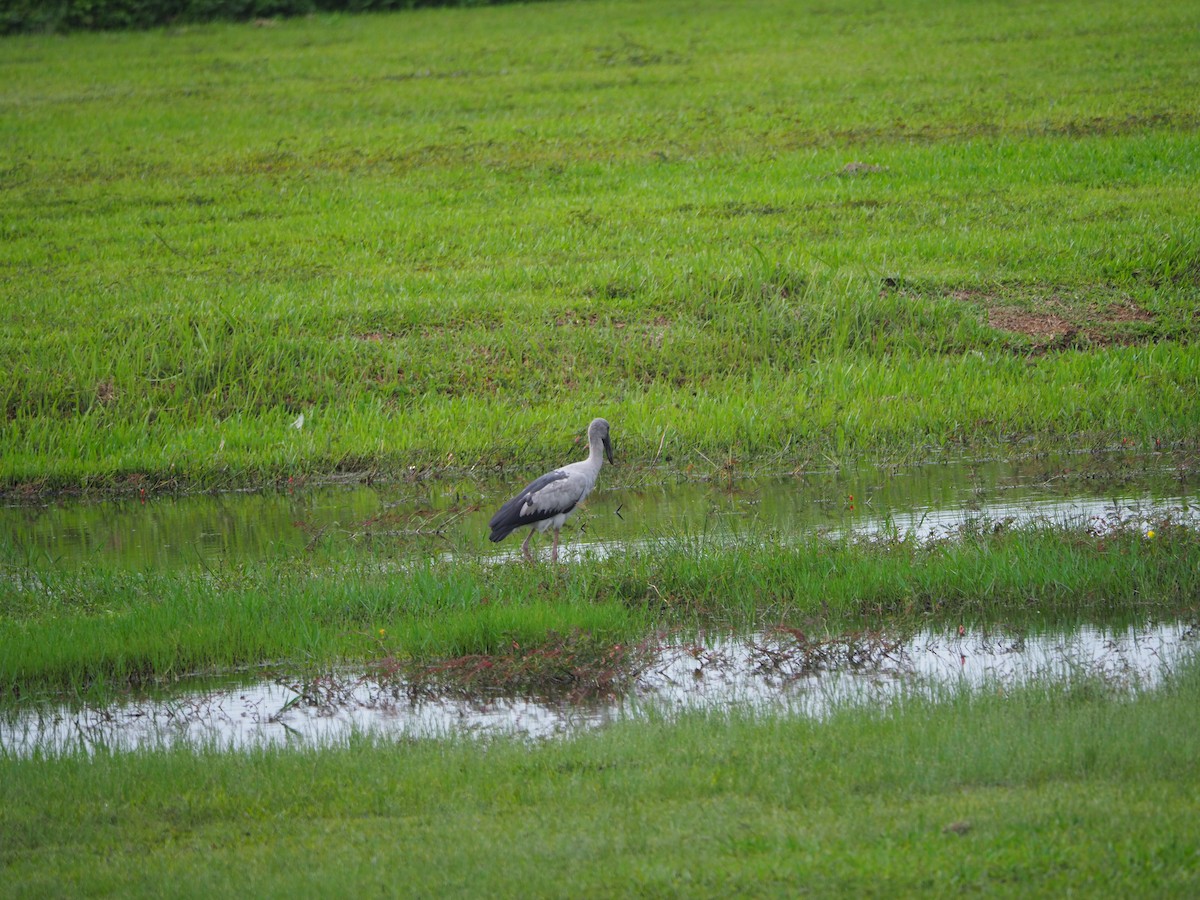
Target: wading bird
x=548, y=501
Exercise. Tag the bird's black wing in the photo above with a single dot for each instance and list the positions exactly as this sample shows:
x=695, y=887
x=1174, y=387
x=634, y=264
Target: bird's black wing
x=542, y=498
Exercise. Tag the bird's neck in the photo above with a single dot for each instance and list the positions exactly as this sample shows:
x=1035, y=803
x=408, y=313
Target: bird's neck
x=595, y=454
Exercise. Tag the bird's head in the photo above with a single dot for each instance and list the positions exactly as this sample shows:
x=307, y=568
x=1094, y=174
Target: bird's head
x=598, y=432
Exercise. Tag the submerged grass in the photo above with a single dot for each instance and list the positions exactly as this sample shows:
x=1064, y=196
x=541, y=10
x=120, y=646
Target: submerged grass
x=93, y=631
x=1050, y=789
x=770, y=228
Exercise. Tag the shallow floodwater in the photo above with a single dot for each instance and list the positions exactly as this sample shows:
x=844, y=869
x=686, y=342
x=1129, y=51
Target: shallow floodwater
x=442, y=517
x=448, y=518
x=767, y=672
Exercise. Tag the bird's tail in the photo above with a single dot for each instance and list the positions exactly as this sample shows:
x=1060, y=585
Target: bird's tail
x=499, y=534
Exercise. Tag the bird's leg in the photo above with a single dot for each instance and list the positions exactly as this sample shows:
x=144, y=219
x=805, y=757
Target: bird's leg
x=525, y=546
x=554, y=552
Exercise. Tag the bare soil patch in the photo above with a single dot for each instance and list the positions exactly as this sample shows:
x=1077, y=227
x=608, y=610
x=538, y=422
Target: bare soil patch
x=1053, y=324
x=856, y=168
x=1039, y=326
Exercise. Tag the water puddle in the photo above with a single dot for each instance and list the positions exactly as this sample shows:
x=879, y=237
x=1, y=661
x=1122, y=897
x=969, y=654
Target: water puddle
x=781, y=671
x=449, y=517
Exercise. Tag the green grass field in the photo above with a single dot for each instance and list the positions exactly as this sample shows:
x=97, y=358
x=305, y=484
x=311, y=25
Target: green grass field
x=762, y=235
x=451, y=237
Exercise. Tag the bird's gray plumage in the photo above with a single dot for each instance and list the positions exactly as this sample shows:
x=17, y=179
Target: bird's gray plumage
x=531, y=505
x=548, y=501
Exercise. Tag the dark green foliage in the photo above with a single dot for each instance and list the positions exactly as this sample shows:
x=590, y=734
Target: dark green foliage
x=18, y=16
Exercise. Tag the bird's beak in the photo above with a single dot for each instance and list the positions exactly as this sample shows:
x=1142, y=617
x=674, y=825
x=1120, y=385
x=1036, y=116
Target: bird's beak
x=608, y=448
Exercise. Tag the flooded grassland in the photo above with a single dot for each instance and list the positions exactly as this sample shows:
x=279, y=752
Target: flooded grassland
x=309, y=614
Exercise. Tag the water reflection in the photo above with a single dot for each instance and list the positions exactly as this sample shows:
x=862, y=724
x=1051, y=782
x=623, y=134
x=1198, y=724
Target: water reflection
x=783, y=672
x=448, y=516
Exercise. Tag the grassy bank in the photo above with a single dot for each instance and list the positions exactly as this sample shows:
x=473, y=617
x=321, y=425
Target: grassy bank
x=1067, y=789
x=757, y=230
x=90, y=630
